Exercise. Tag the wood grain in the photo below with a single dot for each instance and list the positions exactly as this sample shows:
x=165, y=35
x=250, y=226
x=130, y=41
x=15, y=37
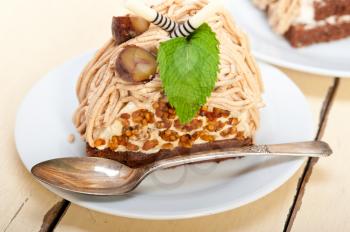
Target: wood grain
x=311, y=162
x=36, y=36
x=325, y=205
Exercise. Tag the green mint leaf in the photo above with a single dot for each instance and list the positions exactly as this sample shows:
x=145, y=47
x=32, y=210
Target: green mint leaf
x=188, y=70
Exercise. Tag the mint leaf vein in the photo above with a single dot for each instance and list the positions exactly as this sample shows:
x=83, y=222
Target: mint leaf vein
x=188, y=70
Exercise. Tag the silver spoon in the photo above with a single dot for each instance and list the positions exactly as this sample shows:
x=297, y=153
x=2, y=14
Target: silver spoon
x=98, y=176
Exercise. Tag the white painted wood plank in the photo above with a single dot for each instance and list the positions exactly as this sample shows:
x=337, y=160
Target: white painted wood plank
x=36, y=36
x=326, y=202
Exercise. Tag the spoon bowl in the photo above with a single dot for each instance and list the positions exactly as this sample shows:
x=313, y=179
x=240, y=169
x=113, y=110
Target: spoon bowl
x=89, y=175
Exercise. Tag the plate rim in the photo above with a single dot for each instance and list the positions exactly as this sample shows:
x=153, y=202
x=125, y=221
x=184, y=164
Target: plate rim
x=328, y=73
x=204, y=212
x=259, y=193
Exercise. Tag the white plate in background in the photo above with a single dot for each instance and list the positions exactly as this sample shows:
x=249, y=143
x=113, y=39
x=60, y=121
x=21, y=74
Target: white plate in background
x=44, y=121
x=330, y=59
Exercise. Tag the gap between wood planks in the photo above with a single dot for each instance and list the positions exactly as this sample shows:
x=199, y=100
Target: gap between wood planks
x=54, y=215
x=303, y=180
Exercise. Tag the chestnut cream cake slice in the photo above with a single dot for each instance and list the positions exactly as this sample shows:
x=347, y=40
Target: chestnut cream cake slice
x=307, y=22
x=145, y=96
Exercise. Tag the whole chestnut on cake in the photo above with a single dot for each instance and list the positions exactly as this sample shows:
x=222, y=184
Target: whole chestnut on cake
x=135, y=64
x=128, y=27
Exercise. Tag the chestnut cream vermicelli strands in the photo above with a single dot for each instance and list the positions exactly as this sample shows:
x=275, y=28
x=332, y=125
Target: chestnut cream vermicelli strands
x=87, y=74
x=281, y=13
x=103, y=94
x=263, y=4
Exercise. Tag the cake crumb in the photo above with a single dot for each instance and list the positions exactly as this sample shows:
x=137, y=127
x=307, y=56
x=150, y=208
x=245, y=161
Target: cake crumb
x=71, y=138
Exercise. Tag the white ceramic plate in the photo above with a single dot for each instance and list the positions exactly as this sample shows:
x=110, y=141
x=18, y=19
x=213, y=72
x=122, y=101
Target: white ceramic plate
x=44, y=122
x=331, y=59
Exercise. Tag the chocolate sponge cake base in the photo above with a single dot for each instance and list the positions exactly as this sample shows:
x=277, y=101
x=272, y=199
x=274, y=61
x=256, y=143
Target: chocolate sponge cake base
x=298, y=36
x=329, y=8
x=139, y=159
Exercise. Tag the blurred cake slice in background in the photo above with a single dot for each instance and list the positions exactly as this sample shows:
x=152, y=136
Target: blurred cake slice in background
x=306, y=22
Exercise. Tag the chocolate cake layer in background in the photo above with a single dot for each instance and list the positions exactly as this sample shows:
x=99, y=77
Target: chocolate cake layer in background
x=139, y=159
x=307, y=22
x=328, y=8
x=298, y=36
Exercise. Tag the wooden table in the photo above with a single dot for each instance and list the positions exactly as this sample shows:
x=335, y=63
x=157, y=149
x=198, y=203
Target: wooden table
x=38, y=35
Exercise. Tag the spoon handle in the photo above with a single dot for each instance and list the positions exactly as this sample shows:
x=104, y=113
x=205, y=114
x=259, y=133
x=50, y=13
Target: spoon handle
x=306, y=149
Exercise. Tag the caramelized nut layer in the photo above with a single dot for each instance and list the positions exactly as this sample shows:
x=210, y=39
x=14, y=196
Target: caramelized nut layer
x=159, y=128
x=149, y=144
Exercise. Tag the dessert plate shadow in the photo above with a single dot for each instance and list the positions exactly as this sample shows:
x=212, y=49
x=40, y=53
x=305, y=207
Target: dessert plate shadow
x=44, y=122
x=329, y=59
